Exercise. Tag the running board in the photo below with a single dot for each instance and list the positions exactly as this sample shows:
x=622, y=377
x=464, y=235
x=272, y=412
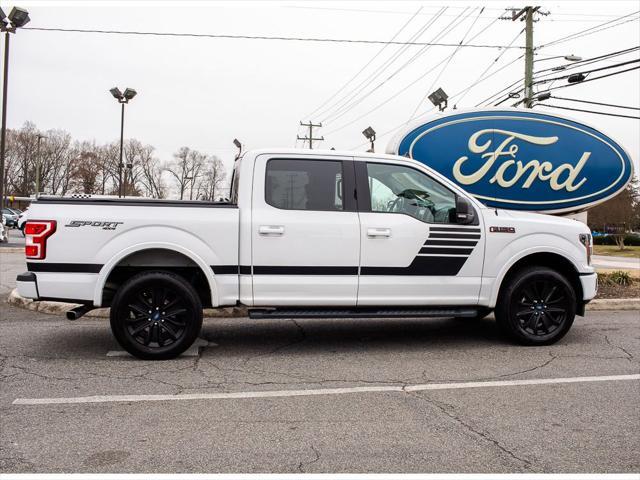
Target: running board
x=368, y=312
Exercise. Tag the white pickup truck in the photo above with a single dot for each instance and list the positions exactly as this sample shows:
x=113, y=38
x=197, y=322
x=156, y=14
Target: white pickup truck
x=308, y=234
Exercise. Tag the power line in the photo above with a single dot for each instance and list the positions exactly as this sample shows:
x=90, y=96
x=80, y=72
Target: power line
x=354, y=101
x=588, y=111
x=400, y=91
x=491, y=64
x=398, y=12
x=596, y=103
x=447, y=64
x=588, y=31
x=367, y=64
x=569, y=66
x=546, y=80
x=338, y=106
x=262, y=37
x=583, y=81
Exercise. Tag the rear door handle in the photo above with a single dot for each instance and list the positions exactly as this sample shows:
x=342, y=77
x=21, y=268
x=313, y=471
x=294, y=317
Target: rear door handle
x=378, y=232
x=271, y=230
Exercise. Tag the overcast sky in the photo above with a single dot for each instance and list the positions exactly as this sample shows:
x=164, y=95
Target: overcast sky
x=204, y=92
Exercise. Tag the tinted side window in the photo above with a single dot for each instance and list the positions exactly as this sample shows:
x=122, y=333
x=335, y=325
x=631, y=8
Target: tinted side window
x=398, y=189
x=304, y=184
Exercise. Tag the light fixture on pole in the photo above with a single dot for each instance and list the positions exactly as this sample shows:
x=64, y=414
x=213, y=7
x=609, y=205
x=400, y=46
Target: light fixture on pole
x=18, y=17
x=439, y=99
x=576, y=78
x=238, y=145
x=568, y=58
x=370, y=133
x=123, y=99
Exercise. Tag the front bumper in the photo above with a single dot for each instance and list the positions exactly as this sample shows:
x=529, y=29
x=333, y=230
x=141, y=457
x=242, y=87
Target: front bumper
x=589, y=283
x=27, y=285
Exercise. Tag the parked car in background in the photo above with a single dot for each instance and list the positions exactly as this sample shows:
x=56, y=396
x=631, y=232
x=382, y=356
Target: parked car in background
x=22, y=219
x=3, y=233
x=10, y=216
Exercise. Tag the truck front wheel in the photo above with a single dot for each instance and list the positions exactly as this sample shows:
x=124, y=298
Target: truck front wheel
x=156, y=315
x=536, y=307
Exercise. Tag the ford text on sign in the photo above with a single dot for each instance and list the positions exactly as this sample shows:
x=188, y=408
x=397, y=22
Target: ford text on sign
x=520, y=160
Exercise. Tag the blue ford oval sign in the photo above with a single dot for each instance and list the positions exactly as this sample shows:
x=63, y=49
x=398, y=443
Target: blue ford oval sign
x=520, y=160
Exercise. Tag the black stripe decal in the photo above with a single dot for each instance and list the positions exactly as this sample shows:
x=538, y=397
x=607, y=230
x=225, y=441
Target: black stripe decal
x=423, y=266
x=225, y=269
x=245, y=269
x=64, y=267
x=453, y=235
x=453, y=229
x=451, y=243
x=446, y=251
x=303, y=270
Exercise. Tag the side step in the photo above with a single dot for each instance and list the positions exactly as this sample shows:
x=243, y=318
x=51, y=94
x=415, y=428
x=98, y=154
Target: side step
x=368, y=312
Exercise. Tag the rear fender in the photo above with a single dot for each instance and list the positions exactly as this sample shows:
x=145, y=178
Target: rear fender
x=116, y=259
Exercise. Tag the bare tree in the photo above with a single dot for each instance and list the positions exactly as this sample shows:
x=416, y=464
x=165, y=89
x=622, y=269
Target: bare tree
x=212, y=179
x=151, y=173
x=187, y=169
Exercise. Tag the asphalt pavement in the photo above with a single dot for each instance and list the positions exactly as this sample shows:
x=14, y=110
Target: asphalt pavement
x=401, y=395
x=505, y=426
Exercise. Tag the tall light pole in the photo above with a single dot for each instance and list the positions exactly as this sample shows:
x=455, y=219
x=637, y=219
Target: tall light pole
x=38, y=163
x=18, y=17
x=123, y=99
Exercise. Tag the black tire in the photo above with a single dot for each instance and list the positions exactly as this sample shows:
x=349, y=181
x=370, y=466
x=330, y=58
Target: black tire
x=536, y=307
x=156, y=315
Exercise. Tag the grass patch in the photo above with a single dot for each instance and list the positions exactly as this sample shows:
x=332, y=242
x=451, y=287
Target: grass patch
x=618, y=284
x=612, y=250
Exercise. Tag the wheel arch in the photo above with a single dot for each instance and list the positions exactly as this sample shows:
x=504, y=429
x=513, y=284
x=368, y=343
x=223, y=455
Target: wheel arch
x=145, y=257
x=554, y=260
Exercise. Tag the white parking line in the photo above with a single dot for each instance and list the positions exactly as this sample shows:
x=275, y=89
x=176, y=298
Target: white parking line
x=320, y=391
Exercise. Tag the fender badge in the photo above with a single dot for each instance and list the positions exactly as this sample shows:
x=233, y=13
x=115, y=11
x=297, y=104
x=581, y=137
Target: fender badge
x=502, y=229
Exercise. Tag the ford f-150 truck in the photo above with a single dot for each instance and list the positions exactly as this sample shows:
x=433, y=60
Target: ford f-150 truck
x=308, y=234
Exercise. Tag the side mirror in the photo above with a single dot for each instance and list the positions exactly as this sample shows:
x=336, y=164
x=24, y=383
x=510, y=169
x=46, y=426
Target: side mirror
x=465, y=213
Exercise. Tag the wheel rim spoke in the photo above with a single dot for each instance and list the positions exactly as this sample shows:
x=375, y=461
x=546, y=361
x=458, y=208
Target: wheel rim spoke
x=172, y=333
x=156, y=316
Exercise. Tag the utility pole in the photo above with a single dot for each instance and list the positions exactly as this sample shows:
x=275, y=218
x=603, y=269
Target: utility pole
x=310, y=137
x=526, y=15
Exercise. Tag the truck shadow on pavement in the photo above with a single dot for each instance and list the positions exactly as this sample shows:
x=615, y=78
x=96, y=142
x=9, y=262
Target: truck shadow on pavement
x=240, y=336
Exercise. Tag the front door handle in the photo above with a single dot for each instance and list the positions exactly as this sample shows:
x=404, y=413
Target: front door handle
x=271, y=230
x=378, y=232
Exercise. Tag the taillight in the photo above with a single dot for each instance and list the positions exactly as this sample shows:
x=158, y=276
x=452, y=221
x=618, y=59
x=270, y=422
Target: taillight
x=36, y=233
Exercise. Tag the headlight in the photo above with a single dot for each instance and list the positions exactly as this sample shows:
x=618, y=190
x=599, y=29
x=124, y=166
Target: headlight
x=585, y=239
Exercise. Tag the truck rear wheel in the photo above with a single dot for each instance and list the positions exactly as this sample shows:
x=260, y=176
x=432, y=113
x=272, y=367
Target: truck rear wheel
x=156, y=315
x=536, y=307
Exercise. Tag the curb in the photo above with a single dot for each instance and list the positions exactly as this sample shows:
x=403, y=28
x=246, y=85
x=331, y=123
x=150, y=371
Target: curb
x=60, y=308
x=12, y=249
x=614, y=304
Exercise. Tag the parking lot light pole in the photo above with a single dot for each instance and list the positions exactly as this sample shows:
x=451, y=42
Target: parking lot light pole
x=123, y=98
x=17, y=18
x=38, y=164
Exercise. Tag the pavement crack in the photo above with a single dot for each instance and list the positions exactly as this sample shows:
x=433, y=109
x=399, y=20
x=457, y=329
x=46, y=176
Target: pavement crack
x=302, y=465
x=473, y=430
x=622, y=349
x=302, y=336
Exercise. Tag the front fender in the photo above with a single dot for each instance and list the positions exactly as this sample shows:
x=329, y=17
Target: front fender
x=503, y=260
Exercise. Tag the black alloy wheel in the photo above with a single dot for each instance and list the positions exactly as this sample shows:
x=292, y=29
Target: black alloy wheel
x=537, y=307
x=156, y=315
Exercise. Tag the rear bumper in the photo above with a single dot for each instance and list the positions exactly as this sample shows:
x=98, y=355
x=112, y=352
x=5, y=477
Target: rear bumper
x=27, y=285
x=57, y=286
